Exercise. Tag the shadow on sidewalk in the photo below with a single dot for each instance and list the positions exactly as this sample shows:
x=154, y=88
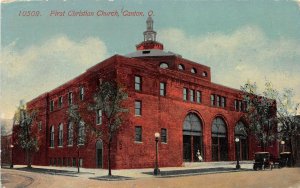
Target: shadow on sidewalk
x=50, y=171
x=190, y=172
x=112, y=178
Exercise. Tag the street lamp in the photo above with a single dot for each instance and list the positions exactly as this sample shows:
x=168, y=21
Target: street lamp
x=11, y=156
x=156, y=169
x=282, y=142
x=237, y=152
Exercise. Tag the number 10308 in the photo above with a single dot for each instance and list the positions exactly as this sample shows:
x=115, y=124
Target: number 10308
x=29, y=13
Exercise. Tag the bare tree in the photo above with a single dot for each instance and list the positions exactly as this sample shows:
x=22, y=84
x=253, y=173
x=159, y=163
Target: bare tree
x=77, y=130
x=108, y=107
x=26, y=138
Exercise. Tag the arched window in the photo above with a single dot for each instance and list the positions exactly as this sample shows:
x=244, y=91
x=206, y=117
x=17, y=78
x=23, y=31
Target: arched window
x=81, y=133
x=192, y=138
x=242, y=145
x=70, y=134
x=181, y=67
x=192, y=125
x=218, y=127
x=219, y=140
x=164, y=65
x=52, y=136
x=60, y=135
x=240, y=130
x=193, y=70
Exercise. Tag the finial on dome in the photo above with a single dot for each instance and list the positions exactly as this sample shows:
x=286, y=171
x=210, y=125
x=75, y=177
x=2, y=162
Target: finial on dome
x=149, y=23
x=149, y=34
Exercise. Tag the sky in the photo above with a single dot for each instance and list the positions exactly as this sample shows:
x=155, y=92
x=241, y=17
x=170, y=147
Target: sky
x=240, y=40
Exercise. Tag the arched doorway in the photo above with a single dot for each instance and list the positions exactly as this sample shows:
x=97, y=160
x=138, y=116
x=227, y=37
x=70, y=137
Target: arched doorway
x=99, y=154
x=240, y=132
x=192, y=137
x=219, y=140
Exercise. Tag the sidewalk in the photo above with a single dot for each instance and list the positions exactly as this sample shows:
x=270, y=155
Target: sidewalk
x=128, y=174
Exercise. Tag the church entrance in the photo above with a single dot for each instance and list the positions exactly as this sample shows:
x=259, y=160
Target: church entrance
x=99, y=154
x=219, y=140
x=192, y=138
x=240, y=132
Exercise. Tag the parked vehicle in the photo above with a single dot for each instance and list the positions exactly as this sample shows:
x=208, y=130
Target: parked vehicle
x=262, y=161
x=285, y=159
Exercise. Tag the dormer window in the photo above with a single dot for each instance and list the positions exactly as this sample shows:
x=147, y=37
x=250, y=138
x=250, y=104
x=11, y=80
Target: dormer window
x=164, y=65
x=204, y=74
x=181, y=67
x=193, y=70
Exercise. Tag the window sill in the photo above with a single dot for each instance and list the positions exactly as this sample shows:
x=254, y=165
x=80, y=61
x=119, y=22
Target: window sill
x=60, y=146
x=164, y=143
x=138, y=142
x=138, y=115
x=69, y=145
x=51, y=147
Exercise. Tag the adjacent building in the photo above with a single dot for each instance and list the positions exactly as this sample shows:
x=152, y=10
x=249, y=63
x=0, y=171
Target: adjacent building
x=167, y=94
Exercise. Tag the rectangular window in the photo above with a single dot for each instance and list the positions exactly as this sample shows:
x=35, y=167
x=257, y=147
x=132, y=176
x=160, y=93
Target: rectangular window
x=81, y=93
x=240, y=106
x=164, y=135
x=64, y=161
x=192, y=94
x=52, y=137
x=162, y=89
x=245, y=106
x=81, y=133
x=223, y=102
x=212, y=100
x=69, y=162
x=236, y=105
x=60, y=136
x=138, y=83
x=60, y=101
x=99, y=117
x=138, y=134
x=218, y=101
x=185, y=94
x=80, y=162
x=40, y=125
x=70, y=134
x=70, y=98
x=198, y=95
x=74, y=161
x=51, y=106
x=138, y=108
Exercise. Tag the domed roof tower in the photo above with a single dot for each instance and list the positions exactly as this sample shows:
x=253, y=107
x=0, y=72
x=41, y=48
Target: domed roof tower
x=149, y=38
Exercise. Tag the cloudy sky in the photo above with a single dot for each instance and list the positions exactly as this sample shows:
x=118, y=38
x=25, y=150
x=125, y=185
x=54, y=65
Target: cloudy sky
x=239, y=40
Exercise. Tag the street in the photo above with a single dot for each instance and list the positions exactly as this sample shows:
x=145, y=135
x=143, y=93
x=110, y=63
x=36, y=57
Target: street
x=277, y=178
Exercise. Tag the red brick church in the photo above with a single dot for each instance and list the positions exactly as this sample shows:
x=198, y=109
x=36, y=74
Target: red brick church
x=166, y=94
